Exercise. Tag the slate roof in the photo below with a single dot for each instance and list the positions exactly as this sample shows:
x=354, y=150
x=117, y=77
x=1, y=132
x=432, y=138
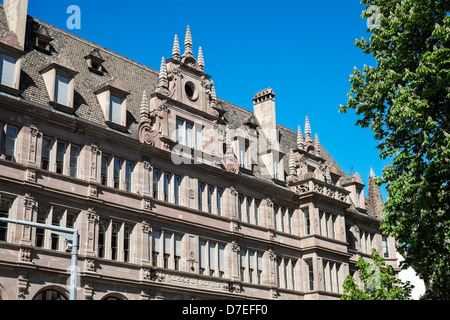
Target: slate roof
x=136, y=78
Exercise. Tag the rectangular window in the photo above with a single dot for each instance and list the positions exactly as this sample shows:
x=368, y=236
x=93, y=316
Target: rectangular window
x=209, y=198
x=306, y=222
x=202, y=261
x=105, y=169
x=46, y=152
x=241, y=200
x=189, y=134
x=117, y=173
x=156, y=176
x=256, y=204
x=115, y=240
x=310, y=273
x=276, y=167
x=291, y=221
x=74, y=155
x=251, y=266
x=243, y=155
x=201, y=190
x=221, y=260
x=259, y=268
x=40, y=232
x=10, y=142
x=176, y=189
x=180, y=131
x=102, y=227
x=198, y=137
x=56, y=221
x=177, y=259
x=212, y=258
x=5, y=211
x=127, y=243
x=8, y=66
x=129, y=166
x=156, y=236
x=166, y=185
x=385, y=247
x=167, y=249
x=219, y=193
x=116, y=110
x=243, y=258
x=61, y=148
x=62, y=90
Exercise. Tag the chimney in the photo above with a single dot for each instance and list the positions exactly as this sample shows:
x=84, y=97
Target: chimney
x=16, y=16
x=264, y=111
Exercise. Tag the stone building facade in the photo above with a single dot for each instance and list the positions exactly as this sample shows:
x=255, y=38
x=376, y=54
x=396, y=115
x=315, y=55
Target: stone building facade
x=175, y=193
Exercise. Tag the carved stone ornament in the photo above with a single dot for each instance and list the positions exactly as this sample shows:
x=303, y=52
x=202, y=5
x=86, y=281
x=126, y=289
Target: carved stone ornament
x=25, y=255
x=90, y=265
x=88, y=292
x=274, y=293
x=31, y=175
x=147, y=134
x=22, y=286
x=234, y=287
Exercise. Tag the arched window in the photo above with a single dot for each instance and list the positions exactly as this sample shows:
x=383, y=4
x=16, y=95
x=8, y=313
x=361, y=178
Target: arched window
x=50, y=295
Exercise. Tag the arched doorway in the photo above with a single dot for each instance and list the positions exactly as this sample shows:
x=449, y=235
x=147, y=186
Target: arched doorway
x=50, y=294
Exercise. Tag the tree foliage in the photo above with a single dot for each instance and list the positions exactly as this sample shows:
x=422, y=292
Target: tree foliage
x=405, y=101
x=379, y=282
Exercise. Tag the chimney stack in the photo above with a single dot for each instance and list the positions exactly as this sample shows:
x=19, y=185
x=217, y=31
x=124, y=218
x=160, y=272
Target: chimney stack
x=16, y=16
x=264, y=111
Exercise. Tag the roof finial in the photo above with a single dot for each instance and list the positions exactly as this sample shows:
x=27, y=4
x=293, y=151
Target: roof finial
x=163, y=82
x=144, y=111
x=371, y=174
x=213, y=91
x=300, y=139
x=188, y=43
x=307, y=128
x=292, y=169
x=200, y=60
x=317, y=144
x=176, y=48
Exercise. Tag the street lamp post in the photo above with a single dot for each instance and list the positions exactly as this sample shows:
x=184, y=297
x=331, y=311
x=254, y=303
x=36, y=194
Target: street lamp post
x=67, y=233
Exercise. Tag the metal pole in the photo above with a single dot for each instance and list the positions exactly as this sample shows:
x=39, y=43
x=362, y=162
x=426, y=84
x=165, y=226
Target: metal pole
x=69, y=234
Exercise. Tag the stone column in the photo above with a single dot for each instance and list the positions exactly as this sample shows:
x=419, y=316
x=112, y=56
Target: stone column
x=273, y=268
x=34, y=134
x=146, y=244
x=235, y=261
x=92, y=226
x=29, y=213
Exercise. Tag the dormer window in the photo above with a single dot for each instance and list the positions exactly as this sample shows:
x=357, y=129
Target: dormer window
x=62, y=90
x=42, y=40
x=59, y=79
x=10, y=62
x=7, y=73
x=112, y=98
x=94, y=61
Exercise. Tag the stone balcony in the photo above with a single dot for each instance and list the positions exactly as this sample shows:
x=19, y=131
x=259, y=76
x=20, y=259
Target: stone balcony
x=317, y=189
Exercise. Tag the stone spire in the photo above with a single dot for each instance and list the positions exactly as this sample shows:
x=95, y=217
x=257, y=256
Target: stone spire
x=188, y=43
x=292, y=169
x=317, y=144
x=176, y=49
x=163, y=82
x=145, y=110
x=307, y=128
x=300, y=139
x=213, y=91
x=200, y=60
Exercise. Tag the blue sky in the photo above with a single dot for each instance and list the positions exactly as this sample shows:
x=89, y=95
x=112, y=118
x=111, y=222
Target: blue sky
x=302, y=49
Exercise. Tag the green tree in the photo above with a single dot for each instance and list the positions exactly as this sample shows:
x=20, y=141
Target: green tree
x=405, y=101
x=379, y=280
